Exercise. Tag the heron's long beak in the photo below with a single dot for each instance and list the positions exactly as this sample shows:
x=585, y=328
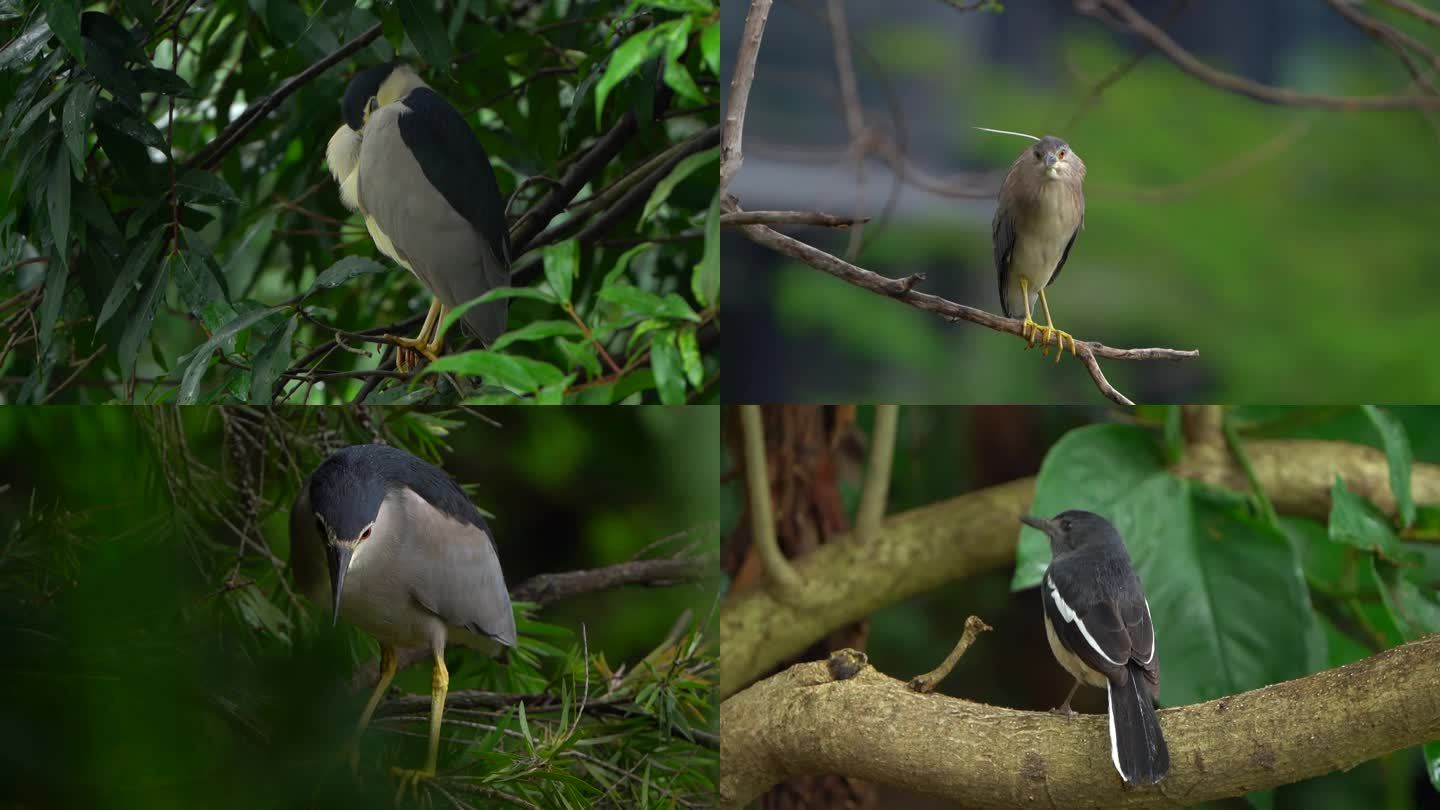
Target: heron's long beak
x=1046, y=526
x=1050, y=160
x=339, y=559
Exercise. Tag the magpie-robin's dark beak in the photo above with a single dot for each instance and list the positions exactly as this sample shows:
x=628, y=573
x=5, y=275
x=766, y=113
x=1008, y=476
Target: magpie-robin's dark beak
x=1046, y=526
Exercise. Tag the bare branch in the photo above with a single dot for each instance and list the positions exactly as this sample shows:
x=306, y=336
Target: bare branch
x=875, y=492
x=210, y=157
x=1186, y=61
x=762, y=514
x=546, y=588
x=902, y=290
x=732, y=152
x=1417, y=11
x=788, y=218
x=871, y=727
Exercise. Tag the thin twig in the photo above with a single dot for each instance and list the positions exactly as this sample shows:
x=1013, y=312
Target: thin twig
x=926, y=683
x=762, y=513
x=731, y=147
x=788, y=218
x=877, y=471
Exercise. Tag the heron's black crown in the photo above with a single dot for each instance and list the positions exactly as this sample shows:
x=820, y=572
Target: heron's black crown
x=361, y=89
x=1049, y=143
x=347, y=489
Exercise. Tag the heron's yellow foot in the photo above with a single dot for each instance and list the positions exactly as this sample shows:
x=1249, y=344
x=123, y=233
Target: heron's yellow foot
x=1048, y=333
x=410, y=778
x=1029, y=330
x=409, y=351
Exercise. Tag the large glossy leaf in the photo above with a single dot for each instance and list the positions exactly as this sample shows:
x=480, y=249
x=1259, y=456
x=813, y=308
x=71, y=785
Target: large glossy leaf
x=536, y=330
x=19, y=51
x=649, y=304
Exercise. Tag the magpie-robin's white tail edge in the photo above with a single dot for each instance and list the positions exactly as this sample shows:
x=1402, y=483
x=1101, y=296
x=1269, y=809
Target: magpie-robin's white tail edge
x=1098, y=624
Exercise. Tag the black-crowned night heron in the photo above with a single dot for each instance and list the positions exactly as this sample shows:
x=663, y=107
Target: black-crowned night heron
x=1041, y=211
x=406, y=160
x=409, y=559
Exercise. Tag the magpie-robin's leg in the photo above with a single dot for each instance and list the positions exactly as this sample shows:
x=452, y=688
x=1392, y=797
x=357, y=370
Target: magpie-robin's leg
x=1064, y=708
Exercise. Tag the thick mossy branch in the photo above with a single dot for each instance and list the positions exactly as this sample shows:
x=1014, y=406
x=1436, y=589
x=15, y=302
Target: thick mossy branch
x=924, y=548
x=872, y=727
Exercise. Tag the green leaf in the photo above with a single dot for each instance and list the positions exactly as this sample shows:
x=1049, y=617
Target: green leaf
x=109, y=70
x=705, y=283
x=57, y=199
x=64, y=19
x=270, y=362
x=669, y=372
x=129, y=124
x=710, y=46
x=1355, y=521
x=518, y=292
x=678, y=77
x=142, y=317
x=1397, y=451
x=197, y=277
x=649, y=304
x=140, y=258
x=1226, y=591
x=142, y=10
x=690, y=356
x=622, y=264
x=33, y=115
x=53, y=297
x=537, y=330
x=427, y=31
x=682, y=170
x=517, y=373
x=151, y=79
x=344, y=270
x=200, y=360
x=197, y=186
x=1432, y=763
x=79, y=106
x=1415, y=611
x=19, y=51
x=562, y=262
x=627, y=58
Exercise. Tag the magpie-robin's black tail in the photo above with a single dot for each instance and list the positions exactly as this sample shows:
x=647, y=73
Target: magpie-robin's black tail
x=1136, y=745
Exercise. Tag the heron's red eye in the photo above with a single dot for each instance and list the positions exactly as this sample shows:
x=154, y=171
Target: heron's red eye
x=1062, y=154
x=365, y=535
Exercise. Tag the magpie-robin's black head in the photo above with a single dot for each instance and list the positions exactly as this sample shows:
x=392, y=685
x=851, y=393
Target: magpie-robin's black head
x=1074, y=529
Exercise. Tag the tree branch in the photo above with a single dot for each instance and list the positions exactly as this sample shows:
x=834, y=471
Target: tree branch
x=903, y=290
x=916, y=551
x=1186, y=61
x=210, y=157
x=788, y=218
x=580, y=172
x=546, y=588
x=876, y=729
x=762, y=513
x=732, y=152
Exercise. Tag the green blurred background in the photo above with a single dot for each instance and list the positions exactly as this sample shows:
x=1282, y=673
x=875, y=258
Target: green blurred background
x=1206, y=559
x=154, y=657
x=1294, y=248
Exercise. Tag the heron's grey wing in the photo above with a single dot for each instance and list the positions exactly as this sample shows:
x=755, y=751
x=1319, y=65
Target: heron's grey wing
x=1068, y=245
x=428, y=225
x=463, y=583
x=307, y=550
x=1003, y=234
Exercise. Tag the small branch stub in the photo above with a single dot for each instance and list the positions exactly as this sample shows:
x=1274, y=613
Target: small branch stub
x=925, y=684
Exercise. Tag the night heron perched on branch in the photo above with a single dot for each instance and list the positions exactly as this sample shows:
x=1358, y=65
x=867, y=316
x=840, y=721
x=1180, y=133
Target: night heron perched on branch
x=406, y=160
x=408, y=558
x=1041, y=211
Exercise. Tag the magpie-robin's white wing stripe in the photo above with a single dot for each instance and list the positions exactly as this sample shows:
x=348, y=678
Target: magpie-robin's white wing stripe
x=1071, y=617
x=1153, y=642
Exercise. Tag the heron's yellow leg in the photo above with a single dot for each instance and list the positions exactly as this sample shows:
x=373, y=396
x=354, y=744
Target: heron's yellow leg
x=436, y=341
x=1028, y=329
x=387, y=674
x=439, y=686
x=407, y=350
x=1049, y=329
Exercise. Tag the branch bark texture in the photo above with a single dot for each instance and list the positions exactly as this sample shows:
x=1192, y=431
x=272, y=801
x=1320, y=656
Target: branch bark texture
x=872, y=727
x=924, y=548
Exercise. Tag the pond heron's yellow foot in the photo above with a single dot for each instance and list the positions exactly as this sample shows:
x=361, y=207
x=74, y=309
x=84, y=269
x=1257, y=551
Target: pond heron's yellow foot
x=1048, y=333
x=410, y=778
x=413, y=353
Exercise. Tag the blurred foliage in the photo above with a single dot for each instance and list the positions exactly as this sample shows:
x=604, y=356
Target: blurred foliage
x=1240, y=600
x=1282, y=243
x=140, y=259
x=156, y=655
